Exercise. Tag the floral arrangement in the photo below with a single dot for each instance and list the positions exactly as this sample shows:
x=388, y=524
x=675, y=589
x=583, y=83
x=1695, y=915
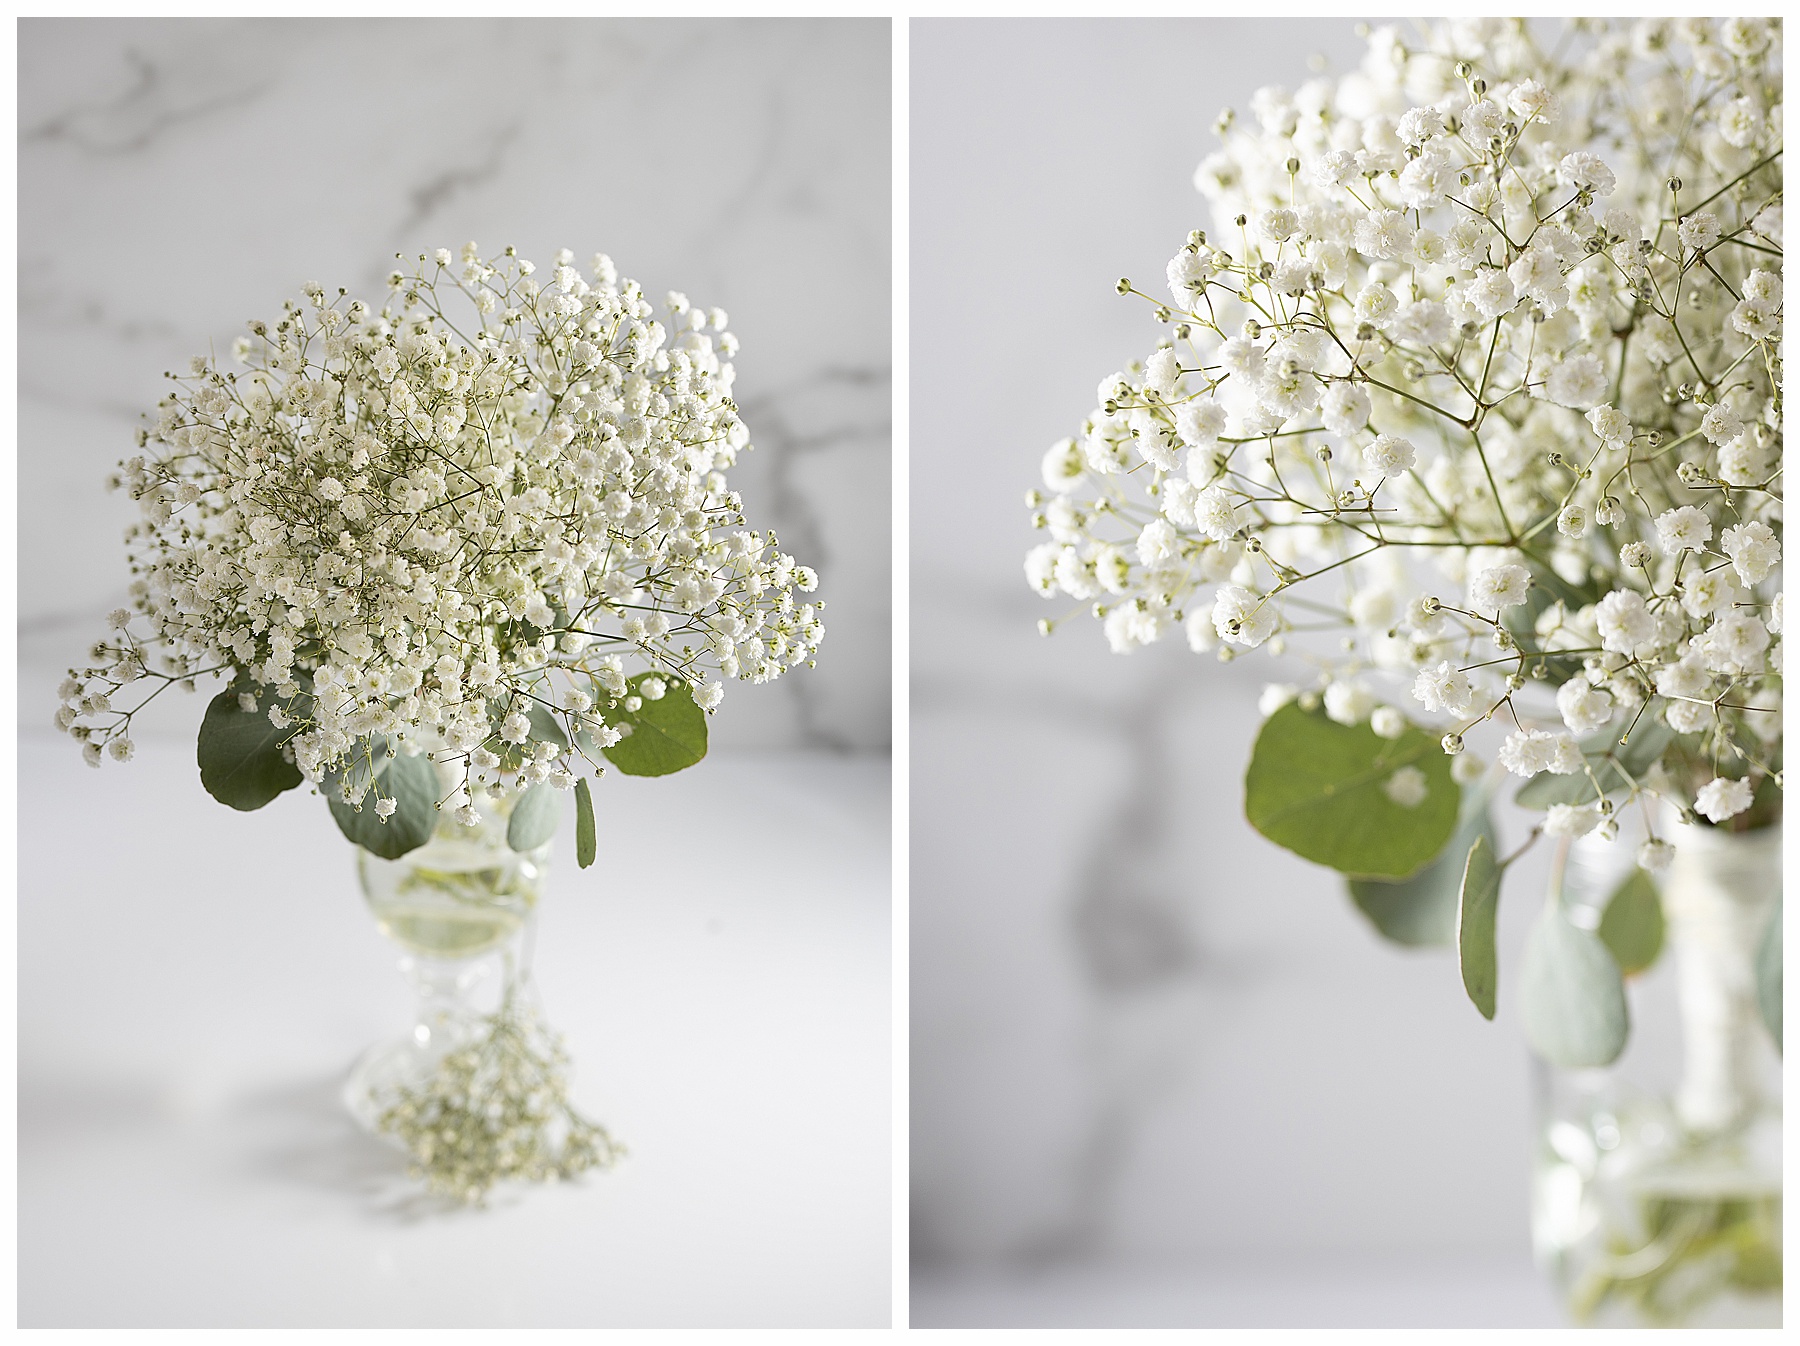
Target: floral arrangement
x=436, y=554
x=452, y=554
x=1471, y=404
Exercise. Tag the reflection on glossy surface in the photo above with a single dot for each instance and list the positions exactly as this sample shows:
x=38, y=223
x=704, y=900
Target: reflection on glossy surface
x=460, y=906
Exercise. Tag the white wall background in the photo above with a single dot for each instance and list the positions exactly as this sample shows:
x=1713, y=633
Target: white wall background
x=177, y=177
x=1142, y=1035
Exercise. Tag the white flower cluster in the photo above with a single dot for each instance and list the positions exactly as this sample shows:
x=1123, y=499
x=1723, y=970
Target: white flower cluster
x=445, y=528
x=1485, y=355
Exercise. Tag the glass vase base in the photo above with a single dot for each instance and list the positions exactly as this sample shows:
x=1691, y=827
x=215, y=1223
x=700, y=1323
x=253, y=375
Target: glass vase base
x=389, y=1069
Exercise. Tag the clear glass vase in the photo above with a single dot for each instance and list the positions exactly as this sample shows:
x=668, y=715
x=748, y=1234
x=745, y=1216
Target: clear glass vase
x=461, y=909
x=1657, y=1185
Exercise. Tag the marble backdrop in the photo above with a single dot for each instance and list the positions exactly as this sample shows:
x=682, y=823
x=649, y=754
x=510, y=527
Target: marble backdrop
x=177, y=177
x=1141, y=1034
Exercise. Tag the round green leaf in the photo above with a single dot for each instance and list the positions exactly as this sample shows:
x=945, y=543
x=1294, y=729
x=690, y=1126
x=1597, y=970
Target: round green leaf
x=240, y=755
x=1632, y=925
x=534, y=817
x=661, y=736
x=412, y=783
x=1421, y=911
x=1571, y=995
x=1476, y=908
x=1320, y=789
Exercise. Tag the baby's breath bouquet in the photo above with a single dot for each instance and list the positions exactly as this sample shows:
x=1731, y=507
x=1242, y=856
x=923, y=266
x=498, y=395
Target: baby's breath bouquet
x=463, y=546
x=1469, y=404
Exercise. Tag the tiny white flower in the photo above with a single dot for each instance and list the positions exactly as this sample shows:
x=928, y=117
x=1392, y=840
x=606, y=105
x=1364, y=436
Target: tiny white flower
x=1578, y=382
x=1584, y=708
x=1754, y=550
x=1390, y=455
x=1526, y=752
x=1387, y=722
x=1683, y=527
x=1407, y=787
x=1274, y=696
x=1241, y=617
x=1698, y=232
x=1348, y=703
x=1497, y=587
x=1572, y=820
x=1444, y=688
x=1625, y=621
x=1721, y=799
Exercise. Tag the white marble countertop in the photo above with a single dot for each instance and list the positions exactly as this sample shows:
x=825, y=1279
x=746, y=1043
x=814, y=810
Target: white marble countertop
x=1299, y=1292
x=195, y=983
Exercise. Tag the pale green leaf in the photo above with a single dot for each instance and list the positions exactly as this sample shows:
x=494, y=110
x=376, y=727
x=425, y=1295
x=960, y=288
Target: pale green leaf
x=661, y=736
x=1476, y=908
x=1632, y=925
x=1571, y=996
x=239, y=752
x=584, y=824
x=1768, y=975
x=534, y=817
x=1319, y=788
x=412, y=783
x=1421, y=911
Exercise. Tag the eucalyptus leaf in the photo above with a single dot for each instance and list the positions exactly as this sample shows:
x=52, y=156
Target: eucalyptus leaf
x=412, y=783
x=1768, y=975
x=1321, y=789
x=1605, y=755
x=1420, y=912
x=1632, y=925
x=239, y=752
x=661, y=736
x=584, y=824
x=1571, y=996
x=534, y=817
x=1475, y=912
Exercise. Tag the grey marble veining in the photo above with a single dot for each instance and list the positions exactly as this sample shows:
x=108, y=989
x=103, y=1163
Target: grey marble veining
x=177, y=177
x=1147, y=1044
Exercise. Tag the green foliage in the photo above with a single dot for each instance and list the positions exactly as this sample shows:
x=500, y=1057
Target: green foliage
x=240, y=755
x=1317, y=788
x=1421, y=911
x=1475, y=912
x=661, y=736
x=1605, y=756
x=1768, y=975
x=584, y=824
x=411, y=782
x=1571, y=995
x=1683, y=1252
x=534, y=817
x=1632, y=925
